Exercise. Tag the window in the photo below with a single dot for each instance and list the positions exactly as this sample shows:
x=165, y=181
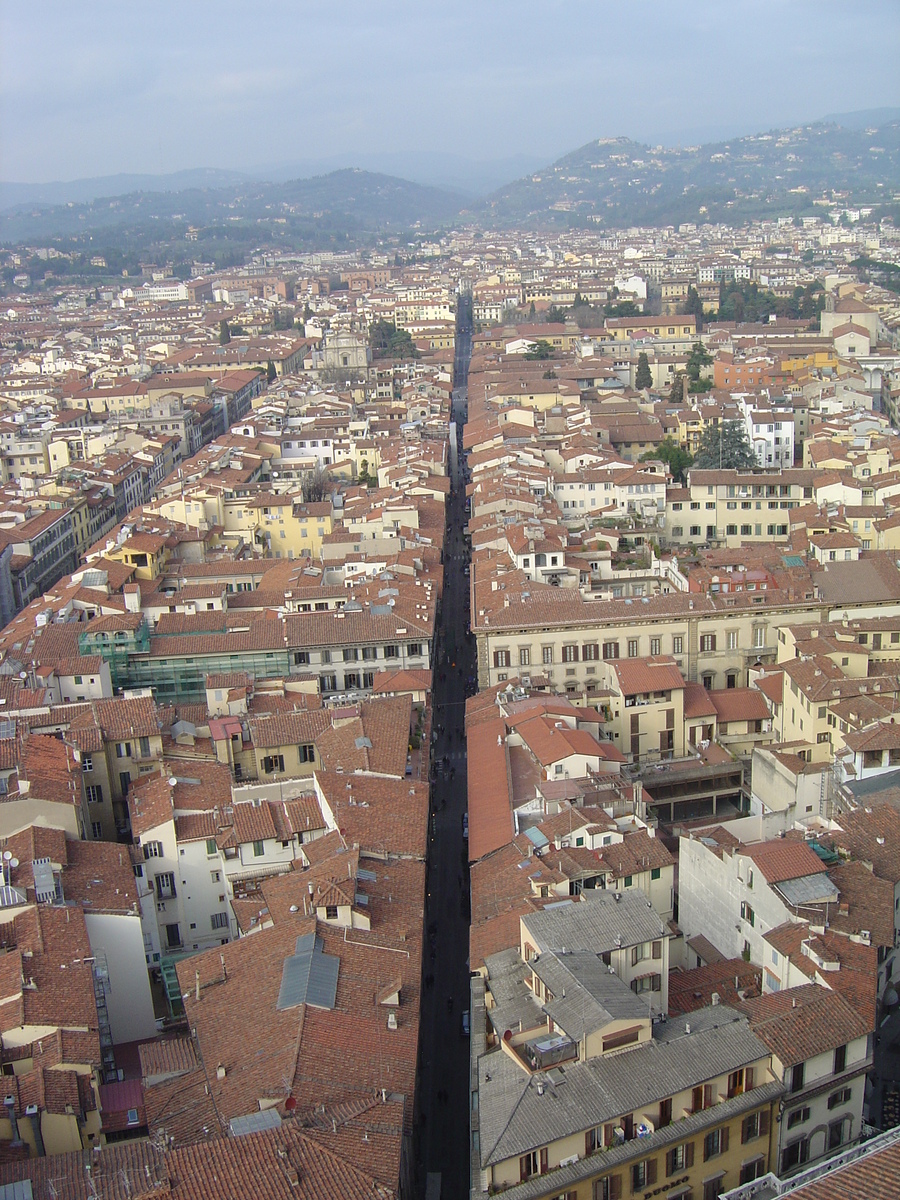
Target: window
x=795, y=1154
x=646, y=983
x=632, y=647
x=97, y=830
x=747, y=914
x=840, y=1060
x=123, y=749
x=680, y=1158
x=732, y=639
x=609, y=1188
x=306, y=753
x=331, y=912
x=842, y=1096
x=643, y=1174
x=501, y=658
x=153, y=849
x=836, y=1134
x=798, y=1116
x=628, y=880
x=754, y=1126
x=655, y=646
x=219, y=920
x=301, y=658
x=87, y=763
x=164, y=886
x=707, y=643
x=678, y=644
x=610, y=650
x=752, y=1170
x=695, y=531
x=369, y=653
x=211, y=848
x=351, y=654
x=570, y=654
x=273, y=762
x=797, y=1074
x=394, y=652
x=546, y=655
x=715, y=1143
x=524, y=656
x=590, y=652
x=133, y=1117
x=532, y=1163
x=94, y=793
x=259, y=849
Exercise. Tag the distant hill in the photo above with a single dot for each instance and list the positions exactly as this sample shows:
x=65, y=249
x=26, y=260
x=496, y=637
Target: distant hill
x=341, y=203
x=81, y=191
x=621, y=182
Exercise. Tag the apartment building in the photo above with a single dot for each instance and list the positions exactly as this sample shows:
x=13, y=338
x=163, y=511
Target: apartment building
x=820, y=1051
x=635, y=1103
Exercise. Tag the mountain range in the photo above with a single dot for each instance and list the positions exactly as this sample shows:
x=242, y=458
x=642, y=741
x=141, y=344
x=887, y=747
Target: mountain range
x=612, y=181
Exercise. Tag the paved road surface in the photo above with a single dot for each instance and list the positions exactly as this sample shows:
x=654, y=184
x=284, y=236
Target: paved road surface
x=443, y=1091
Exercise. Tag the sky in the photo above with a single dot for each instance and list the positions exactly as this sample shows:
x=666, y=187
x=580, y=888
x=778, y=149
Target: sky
x=97, y=88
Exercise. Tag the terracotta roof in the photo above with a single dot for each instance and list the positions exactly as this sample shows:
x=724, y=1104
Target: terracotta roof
x=490, y=811
x=784, y=859
x=739, y=704
x=640, y=675
x=799, y=1023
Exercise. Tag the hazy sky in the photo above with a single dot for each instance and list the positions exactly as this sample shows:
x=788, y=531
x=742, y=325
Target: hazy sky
x=96, y=87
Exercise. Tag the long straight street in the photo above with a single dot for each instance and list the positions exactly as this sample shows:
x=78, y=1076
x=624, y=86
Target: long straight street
x=442, y=1128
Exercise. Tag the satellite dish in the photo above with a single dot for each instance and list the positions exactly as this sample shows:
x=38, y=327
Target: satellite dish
x=172, y=781
x=7, y=855
x=23, y=674
x=14, y=862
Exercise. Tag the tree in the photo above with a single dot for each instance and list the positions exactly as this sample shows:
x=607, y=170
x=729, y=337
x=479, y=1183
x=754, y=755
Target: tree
x=540, y=349
x=271, y=373
x=556, y=315
x=224, y=333
x=387, y=341
x=726, y=446
x=674, y=456
x=314, y=485
x=676, y=391
x=643, y=377
x=693, y=306
x=699, y=357
x=626, y=308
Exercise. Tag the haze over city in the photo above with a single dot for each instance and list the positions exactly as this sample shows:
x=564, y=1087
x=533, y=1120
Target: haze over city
x=111, y=87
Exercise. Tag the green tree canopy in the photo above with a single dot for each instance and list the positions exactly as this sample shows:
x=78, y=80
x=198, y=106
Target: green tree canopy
x=271, y=372
x=387, y=341
x=674, y=456
x=224, y=333
x=643, y=377
x=676, y=391
x=698, y=358
x=727, y=446
x=625, y=308
x=539, y=350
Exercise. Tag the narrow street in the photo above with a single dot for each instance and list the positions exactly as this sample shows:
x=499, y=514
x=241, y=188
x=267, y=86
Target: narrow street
x=442, y=1128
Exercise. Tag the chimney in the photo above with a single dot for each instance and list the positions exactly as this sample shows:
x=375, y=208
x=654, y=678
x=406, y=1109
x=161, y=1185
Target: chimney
x=10, y=1103
x=33, y=1114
